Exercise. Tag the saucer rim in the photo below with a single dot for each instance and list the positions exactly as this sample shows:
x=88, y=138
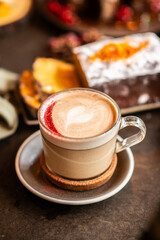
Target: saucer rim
x=64, y=201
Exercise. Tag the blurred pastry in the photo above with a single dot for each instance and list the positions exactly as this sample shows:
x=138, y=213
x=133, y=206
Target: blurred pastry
x=28, y=93
x=12, y=11
x=61, y=46
x=47, y=77
x=52, y=75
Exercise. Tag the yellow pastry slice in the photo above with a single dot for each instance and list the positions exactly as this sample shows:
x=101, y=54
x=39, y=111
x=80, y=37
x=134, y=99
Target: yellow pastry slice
x=52, y=75
x=28, y=93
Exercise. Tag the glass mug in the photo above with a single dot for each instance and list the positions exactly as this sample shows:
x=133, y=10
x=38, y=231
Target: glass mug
x=87, y=157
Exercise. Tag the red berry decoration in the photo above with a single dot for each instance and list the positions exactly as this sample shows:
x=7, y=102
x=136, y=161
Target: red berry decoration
x=124, y=14
x=64, y=12
x=54, y=7
x=67, y=15
x=155, y=5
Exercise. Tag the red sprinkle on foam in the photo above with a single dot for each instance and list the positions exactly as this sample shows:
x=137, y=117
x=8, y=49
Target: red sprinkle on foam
x=48, y=118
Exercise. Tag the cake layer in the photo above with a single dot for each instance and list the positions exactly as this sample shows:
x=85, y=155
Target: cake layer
x=133, y=91
x=125, y=68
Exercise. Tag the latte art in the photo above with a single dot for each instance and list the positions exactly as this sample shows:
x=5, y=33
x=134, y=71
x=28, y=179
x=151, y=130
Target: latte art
x=80, y=114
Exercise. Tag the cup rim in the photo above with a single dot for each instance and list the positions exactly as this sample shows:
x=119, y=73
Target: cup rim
x=60, y=137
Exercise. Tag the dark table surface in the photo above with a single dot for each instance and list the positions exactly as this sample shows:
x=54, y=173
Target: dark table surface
x=133, y=213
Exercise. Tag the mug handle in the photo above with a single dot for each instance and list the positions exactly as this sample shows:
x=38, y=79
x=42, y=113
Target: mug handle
x=134, y=139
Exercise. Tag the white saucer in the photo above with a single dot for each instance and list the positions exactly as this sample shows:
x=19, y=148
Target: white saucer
x=29, y=173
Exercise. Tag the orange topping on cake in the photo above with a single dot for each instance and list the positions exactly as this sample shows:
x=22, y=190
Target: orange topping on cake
x=118, y=51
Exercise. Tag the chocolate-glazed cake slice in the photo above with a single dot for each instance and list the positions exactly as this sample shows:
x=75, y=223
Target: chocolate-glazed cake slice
x=126, y=68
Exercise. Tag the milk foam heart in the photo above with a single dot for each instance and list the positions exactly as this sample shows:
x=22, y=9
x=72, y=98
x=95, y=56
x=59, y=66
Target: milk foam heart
x=80, y=114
